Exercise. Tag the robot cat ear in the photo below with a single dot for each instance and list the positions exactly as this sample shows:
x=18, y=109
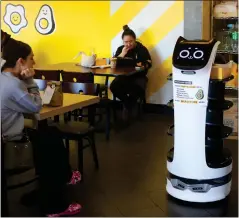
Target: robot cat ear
x=180, y=38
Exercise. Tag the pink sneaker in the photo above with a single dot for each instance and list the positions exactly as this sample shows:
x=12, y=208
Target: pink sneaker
x=73, y=209
x=76, y=177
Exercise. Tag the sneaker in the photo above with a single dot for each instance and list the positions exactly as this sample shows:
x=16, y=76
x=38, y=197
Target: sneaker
x=73, y=209
x=75, y=178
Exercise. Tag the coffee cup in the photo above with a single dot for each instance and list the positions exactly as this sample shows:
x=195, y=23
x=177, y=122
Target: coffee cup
x=113, y=62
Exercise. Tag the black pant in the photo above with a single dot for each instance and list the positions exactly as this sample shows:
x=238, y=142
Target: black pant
x=128, y=88
x=52, y=166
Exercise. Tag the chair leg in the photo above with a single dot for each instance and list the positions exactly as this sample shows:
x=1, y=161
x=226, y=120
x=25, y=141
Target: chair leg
x=69, y=116
x=100, y=116
x=141, y=107
x=94, y=152
x=65, y=117
x=114, y=109
x=67, y=143
x=57, y=119
x=107, y=122
x=80, y=115
x=75, y=115
x=80, y=156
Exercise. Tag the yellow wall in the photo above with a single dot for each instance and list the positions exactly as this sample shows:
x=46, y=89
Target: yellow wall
x=80, y=26
x=87, y=25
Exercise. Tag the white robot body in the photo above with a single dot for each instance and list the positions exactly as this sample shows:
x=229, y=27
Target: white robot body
x=190, y=178
x=214, y=194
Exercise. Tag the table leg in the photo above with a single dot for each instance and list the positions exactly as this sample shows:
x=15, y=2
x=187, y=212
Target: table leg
x=42, y=124
x=91, y=114
x=106, y=85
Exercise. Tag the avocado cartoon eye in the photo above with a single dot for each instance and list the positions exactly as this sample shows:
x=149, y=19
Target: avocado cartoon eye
x=45, y=21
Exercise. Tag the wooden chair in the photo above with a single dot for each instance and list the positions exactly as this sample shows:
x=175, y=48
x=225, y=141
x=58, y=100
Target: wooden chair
x=53, y=75
x=104, y=102
x=80, y=88
x=77, y=77
x=78, y=131
x=81, y=78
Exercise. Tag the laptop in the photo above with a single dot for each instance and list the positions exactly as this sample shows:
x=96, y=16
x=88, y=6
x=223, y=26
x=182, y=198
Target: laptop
x=125, y=62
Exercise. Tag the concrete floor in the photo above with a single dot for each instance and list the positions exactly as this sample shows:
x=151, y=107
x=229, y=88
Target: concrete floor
x=132, y=177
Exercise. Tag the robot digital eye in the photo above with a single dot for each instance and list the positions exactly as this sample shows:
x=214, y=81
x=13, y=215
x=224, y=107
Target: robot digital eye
x=184, y=54
x=198, y=54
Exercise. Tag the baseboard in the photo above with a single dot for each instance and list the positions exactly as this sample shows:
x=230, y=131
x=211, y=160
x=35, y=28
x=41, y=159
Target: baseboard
x=157, y=109
x=150, y=108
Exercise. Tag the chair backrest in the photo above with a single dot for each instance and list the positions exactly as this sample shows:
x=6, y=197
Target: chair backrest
x=81, y=88
x=53, y=75
x=77, y=77
x=42, y=84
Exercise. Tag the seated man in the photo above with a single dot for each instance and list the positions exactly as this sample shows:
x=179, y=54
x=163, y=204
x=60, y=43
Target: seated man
x=129, y=88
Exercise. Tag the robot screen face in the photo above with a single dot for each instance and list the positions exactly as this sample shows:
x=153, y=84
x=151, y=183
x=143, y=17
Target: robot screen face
x=192, y=55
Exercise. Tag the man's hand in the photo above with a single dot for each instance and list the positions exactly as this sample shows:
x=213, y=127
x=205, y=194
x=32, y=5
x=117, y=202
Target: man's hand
x=27, y=73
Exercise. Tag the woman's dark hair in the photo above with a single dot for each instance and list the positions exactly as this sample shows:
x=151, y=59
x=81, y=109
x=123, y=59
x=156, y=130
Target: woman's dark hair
x=128, y=32
x=14, y=50
x=4, y=38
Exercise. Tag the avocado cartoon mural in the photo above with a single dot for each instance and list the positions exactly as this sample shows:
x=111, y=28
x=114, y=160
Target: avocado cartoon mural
x=15, y=17
x=45, y=21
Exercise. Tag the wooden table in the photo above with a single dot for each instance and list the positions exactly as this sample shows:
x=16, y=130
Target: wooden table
x=106, y=72
x=70, y=103
x=73, y=67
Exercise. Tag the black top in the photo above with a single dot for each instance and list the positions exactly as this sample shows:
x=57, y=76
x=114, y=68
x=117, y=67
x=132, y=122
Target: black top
x=139, y=54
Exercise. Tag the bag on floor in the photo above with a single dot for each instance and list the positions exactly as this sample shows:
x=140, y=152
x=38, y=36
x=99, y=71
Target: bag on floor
x=18, y=154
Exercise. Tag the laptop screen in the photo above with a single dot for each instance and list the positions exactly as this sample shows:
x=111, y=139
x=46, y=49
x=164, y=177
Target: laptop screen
x=125, y=62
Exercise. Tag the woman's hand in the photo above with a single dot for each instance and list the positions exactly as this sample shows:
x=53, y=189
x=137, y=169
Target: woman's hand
x=140, y=65
x=27, y=73
x=124, y=52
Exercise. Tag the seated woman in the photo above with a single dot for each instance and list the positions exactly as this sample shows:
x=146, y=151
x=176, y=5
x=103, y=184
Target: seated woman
x=20, y=95
x=129, y=88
